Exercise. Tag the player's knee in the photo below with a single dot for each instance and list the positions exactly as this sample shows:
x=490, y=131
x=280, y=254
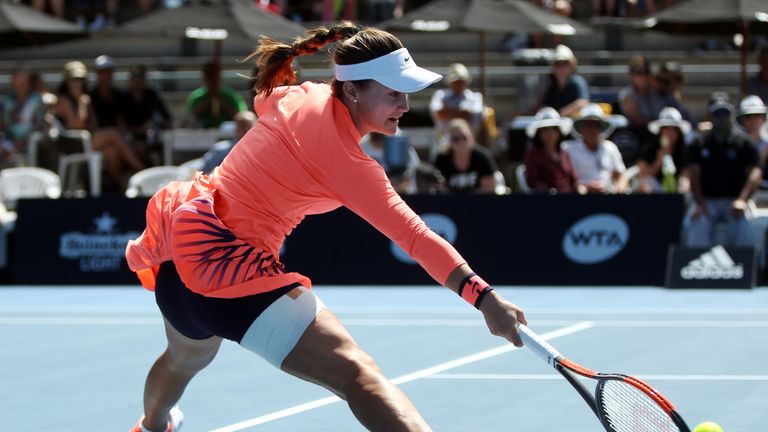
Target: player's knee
x=358, y=370
x=189, y=361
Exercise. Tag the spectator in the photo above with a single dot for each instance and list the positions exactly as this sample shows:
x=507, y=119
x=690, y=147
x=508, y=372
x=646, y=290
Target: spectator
x=758, y=83
x=664, y=85
x=214, y=103
x=107, y=100
x=661, y=167
x=547, y=167
x=102, y=13
x=596, y=160
x=752, y=118
x=567, y=91
x=678, y=80
x=640, y=101
x=465, y=166
x=724, y=170
x=74, y=110
x=382, y=10
x=456, y=101
x=602, y=8
x=558, y=7
x=145, y=115
x=395, y=154
x=54, y=7
x=244, y=121
x=22, y=114
x=429, y=180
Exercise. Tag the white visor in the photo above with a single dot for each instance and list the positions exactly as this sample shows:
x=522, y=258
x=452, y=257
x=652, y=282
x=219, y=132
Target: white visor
x=395, y=70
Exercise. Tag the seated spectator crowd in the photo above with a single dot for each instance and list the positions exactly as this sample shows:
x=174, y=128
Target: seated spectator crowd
x=569, y=146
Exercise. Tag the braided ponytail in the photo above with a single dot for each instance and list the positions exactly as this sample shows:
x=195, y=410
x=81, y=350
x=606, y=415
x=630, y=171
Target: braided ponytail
x=274, y=58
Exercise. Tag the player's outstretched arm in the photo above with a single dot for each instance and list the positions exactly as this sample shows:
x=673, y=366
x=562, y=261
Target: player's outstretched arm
x=501, y=316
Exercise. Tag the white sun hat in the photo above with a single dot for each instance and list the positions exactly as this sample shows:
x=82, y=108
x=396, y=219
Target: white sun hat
x=593, y=112
x=752, y=105
x=395, y=70
x=669, y=117
x=549, y=117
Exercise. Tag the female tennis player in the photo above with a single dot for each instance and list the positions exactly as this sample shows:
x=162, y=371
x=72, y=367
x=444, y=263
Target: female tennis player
x=210, y=248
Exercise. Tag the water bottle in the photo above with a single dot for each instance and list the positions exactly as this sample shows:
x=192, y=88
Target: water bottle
x=668, y=170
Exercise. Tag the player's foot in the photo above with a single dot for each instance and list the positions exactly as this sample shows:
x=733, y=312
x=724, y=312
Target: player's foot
x=175, y=419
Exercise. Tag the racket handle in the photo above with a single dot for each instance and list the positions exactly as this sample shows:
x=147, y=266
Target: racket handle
x=538, y=345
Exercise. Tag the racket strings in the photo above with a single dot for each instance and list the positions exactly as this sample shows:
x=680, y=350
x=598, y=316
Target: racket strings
x=628, y=409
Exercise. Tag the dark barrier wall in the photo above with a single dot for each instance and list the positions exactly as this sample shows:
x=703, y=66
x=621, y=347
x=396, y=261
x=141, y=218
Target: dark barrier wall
x=515, y=239
x=74, y=241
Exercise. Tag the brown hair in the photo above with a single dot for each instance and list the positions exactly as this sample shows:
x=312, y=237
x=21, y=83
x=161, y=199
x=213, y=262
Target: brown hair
x=358, y=45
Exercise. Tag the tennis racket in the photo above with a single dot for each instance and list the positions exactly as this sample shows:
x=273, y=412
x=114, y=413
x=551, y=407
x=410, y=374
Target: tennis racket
x=621, y=402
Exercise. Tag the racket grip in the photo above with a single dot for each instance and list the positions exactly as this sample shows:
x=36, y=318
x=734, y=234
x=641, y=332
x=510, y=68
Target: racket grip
x=538, y=345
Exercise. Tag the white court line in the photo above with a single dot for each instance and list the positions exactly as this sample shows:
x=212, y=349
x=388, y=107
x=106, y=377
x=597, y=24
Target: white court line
x=81, y=321
x=406, y=322
x=554, y=376
x=394, y=322
x=423, y=373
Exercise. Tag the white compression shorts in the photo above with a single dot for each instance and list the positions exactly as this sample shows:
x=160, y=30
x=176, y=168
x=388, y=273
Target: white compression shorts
x=277, y=330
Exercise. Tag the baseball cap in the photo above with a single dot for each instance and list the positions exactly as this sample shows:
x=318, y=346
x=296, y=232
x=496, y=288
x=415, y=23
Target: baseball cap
x=104, y=62
x=719, y=101
x=395, y=70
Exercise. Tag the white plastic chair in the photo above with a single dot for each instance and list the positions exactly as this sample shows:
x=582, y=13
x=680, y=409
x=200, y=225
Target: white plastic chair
x=68, y=161
x=28, y=182
x=188, y=140
x=193, y=165
x=150, y=180
x=501, y=184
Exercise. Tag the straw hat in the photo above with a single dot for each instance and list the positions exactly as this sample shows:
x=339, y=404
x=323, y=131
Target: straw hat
x=75, y=69
x=593, y=112
x=457, y=72
x=549, y=117
x=669, y=117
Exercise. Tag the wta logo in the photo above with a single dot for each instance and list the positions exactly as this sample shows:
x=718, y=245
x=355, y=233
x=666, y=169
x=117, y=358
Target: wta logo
x=595, y=238
x=442, y=225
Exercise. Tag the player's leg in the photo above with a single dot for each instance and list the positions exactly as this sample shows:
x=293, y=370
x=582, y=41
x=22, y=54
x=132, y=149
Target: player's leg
x=171, y=372
x=323, y=352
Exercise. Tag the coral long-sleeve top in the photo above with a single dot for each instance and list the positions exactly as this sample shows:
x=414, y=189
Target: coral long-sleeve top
x=303, y=157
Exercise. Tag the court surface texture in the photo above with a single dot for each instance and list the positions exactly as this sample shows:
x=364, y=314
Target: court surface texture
x=75, y=359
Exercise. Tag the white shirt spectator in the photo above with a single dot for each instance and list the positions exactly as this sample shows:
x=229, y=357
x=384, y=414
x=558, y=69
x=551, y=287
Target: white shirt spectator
x=468, y=100
x=599, y=165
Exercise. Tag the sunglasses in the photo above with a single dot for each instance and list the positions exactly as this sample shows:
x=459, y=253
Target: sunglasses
x=456, y=138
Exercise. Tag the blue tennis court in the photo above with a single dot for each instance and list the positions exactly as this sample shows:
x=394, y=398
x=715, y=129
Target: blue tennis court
x=75, y=359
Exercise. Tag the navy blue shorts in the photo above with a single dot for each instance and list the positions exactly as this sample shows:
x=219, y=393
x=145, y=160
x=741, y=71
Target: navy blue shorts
x=199, y=317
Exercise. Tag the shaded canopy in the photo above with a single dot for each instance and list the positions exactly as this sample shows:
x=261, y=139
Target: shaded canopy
x=499, y=16
x=518, y=16
x=437, y=16
x=706, y=17
x=712, y=16
x=239, y=18
x=23, y=26
x=481, y=17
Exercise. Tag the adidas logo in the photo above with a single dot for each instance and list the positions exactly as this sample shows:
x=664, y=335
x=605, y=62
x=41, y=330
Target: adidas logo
x=713, y=264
